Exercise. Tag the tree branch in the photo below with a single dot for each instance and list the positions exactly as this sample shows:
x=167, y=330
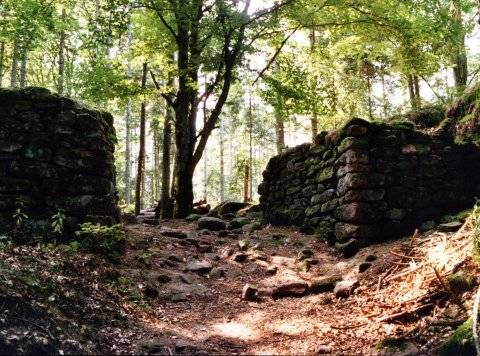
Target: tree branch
x=167, y=97
x=275, y=55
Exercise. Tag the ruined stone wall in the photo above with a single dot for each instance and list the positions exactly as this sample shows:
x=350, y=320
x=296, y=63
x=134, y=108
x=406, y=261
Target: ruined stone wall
x=55, y=154
x=369, y=182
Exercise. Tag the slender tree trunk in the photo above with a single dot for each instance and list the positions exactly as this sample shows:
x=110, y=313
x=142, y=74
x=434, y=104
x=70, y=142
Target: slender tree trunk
x=23, y=69
x=280, y=131
x=141, y=152
x=155, y=163
x=15, y=59
x=128, y=120
x=128, y=154
x=246, y=184
x=205, y=155
x=61, y=57
x=411, y=91
x=2, y=61
x=166, y=201
x=460, y=63
x=416, y=85
x=250, y=143
x=222, y=162
x=314, y=117
x=384, y=95
x=370, y=101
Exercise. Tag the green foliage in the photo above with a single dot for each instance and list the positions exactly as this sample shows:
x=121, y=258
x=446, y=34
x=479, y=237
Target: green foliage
x=108, y=241
x=127, y=288
x=58, y=221
x=461, y=342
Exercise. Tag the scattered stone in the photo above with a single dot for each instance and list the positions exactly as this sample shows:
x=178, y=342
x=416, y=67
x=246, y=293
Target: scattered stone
x=211, y=223
x=252, y=227
x=178, y=297
x=249, y=292
x=371, y=258
x=272, y=270
x=228, y=207
x=349, y=248
x=259, y=255
x=193, y=217
x=450, y=227
x=223, y=233
x=212, y=256
x=344, y=289
x=240, y=257
x=150, y=291
x=238, y=223
x=217, y=272
x=201, y=267
x=362, y=267
x=186, y=278
x=324, y=284
x=427, y=225
x=178, y=234
x=290, y=289
x=304, y=254
x=323, y=350
x=228, y=216
x=129, y=219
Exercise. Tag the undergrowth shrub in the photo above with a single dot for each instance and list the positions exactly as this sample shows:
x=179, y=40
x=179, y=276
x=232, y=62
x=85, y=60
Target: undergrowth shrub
x=108, y=241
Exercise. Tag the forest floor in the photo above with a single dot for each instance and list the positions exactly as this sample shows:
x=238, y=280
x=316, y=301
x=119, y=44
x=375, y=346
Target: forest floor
x=183, y=295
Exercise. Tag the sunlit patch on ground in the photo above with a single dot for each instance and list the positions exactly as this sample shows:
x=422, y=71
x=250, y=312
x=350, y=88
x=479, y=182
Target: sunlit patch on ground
x=236, y=330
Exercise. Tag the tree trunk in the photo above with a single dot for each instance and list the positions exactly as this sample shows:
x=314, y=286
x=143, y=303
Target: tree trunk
x=205, y=158
x=280, y=131
x=2, y=60
x=15, y=59
x=23, y=69
x=128, y=121
x=384, y=94
x=460, y=63
x=141, y=152
x=246, y=184
x=250, y=144
x=61, y=57
x=166, y=201
x=411, y=91
x=222, y=162
x=416, y=86
x=370, y=101
x=128, y=154
x=314, y=117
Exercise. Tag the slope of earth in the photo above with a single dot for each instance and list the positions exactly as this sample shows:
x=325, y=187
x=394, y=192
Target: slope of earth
x=179, y=291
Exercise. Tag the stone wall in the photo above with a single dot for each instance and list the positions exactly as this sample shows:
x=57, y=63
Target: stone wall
x=369, y=182
x=54, y=154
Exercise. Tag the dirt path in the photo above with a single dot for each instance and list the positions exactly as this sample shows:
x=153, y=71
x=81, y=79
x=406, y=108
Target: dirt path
x=179, y=291
x=210, y=315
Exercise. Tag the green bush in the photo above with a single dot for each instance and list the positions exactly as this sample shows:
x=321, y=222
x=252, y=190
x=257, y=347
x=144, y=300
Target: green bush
x=108, y=241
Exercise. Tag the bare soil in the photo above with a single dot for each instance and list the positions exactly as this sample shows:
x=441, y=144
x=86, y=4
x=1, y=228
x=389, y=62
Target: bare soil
x=55, y=301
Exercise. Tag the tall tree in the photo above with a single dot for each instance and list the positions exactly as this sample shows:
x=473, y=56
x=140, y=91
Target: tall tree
x=213, y=35
x=141, y=150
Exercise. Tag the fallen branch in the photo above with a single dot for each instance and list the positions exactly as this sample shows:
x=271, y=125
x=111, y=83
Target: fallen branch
x=392, y=317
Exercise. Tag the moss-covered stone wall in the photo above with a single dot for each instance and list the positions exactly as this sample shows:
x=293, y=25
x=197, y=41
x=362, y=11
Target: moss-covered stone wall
x=54, y=154
x=369, y=182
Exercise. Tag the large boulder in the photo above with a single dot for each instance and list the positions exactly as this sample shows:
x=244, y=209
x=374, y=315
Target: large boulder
x=228, y=207
x=211, y=223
